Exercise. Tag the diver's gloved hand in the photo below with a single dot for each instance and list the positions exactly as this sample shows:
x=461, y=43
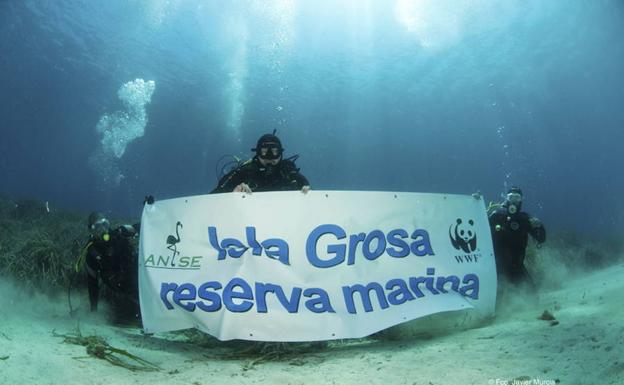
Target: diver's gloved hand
x=243, y=187
x=149, y=200
x=535, y=223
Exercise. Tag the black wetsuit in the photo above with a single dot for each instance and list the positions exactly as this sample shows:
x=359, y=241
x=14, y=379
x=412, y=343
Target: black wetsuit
x=282, y=177
x=115, y=262
x=510, y=235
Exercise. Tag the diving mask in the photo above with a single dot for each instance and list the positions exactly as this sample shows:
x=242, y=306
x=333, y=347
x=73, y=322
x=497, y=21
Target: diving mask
x=100, y=229
x=514, y=198
x=270, y=151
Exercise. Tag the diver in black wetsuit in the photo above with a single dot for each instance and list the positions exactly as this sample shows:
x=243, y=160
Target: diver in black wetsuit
x=110, y=255
x=266, y=171
x=510, y=234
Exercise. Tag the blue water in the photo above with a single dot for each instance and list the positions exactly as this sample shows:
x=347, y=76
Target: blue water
x=422, y=95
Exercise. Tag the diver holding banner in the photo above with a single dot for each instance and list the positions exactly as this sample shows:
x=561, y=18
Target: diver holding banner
x=266, y=171
x=110, y=256
x=511, y=228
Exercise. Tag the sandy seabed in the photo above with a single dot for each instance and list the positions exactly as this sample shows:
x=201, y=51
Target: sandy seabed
x=584, y=346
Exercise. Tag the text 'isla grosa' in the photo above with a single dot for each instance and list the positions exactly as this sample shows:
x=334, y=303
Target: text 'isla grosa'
x=340, y=247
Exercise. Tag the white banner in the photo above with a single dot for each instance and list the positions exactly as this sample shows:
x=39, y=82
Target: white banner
x=287, y=266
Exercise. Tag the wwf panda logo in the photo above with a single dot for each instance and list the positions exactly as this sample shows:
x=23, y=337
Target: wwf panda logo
x=463, y=236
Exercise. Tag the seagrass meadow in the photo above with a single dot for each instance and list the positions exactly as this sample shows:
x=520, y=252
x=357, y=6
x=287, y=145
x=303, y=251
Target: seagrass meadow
x=39, y=245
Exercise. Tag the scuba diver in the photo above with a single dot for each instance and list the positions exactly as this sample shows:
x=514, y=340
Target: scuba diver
x=510, y=233
x=111, y=256
x=266, y=171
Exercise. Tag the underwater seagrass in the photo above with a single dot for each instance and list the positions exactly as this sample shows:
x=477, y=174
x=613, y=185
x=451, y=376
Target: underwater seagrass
x=39, y=245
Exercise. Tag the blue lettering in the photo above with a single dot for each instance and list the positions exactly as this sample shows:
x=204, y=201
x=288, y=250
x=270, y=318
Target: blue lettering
x=473, y=287
x=229, y=295
x=261, y=291
x=401, y=294
x=238, y=296
x=234, y=247
x=354, y=241
x=381, y=245
x=256, y=249
x=373, y=245
x=320, y=304
x=275, y=248
x=429, y=281
x=281, y=252
x=214, y=298
x=421, y=245
x=442, y=281
x=364, y=291
x=185, y=292
x=414, y=282
x=292, y=304
x=214, y=242
x=395, y=238
x=166, y=288
x=397, y=291
x=337, y=250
